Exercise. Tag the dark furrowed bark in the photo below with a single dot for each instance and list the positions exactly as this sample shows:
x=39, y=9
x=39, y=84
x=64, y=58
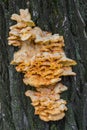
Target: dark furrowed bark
x=68, y=18
x=5, y=99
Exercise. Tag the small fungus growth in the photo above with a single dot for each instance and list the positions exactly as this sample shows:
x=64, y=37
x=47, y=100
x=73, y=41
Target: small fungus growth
x=43, y=62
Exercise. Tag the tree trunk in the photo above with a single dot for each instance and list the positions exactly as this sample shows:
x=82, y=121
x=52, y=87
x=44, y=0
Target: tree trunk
x=68, y=18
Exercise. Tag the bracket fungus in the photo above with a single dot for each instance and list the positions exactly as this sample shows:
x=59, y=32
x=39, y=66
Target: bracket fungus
x=43, y=62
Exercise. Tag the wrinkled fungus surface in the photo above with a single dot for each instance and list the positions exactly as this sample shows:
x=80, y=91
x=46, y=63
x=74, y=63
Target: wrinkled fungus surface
x=43, y=61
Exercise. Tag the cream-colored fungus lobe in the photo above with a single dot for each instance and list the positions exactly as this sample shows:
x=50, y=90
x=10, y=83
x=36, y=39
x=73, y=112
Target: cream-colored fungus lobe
x=43, y=61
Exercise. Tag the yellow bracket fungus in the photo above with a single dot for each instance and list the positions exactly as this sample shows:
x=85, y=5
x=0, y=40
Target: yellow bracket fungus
x=43, y=61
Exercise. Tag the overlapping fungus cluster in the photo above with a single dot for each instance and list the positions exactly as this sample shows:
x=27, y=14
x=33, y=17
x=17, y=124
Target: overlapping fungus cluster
x=42, y=60
x=47, y=102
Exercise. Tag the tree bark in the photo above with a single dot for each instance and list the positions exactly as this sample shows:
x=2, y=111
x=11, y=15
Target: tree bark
x=68, y=18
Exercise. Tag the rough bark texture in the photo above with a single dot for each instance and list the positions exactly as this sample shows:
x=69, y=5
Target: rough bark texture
x=68, y=18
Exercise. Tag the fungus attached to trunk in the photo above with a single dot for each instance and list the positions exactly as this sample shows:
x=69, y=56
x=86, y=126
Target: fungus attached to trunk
x=43, y=61
x=47, y=102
